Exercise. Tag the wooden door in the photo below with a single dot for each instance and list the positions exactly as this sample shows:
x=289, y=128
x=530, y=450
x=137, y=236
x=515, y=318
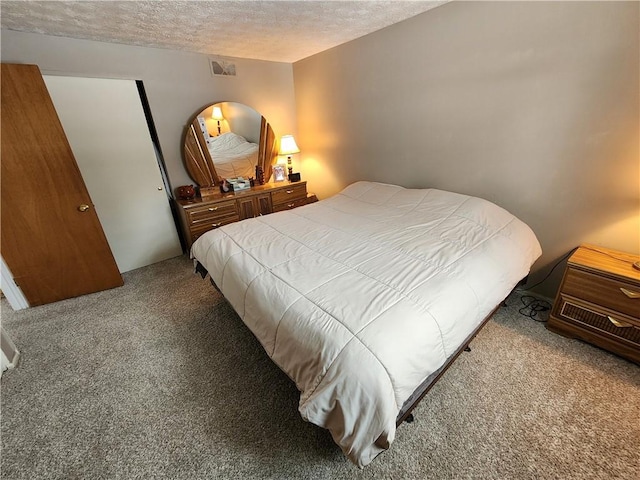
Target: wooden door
x=51, y=237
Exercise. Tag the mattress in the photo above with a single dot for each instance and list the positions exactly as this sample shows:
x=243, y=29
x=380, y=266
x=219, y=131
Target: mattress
x=360, y=297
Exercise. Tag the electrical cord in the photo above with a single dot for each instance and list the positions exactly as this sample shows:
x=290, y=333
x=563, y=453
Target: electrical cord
x=551, y=271
x=532, y=306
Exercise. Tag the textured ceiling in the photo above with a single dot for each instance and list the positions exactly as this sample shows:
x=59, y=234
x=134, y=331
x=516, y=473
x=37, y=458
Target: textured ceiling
x=283, y=31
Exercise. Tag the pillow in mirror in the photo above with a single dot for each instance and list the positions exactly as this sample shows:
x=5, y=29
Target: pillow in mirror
x=227, y=140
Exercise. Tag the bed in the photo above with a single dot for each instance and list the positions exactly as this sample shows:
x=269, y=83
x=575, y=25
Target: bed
x=233, y=155
x=363, y=299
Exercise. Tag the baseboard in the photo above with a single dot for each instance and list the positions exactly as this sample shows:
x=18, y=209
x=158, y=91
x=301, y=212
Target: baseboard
x=10, y=354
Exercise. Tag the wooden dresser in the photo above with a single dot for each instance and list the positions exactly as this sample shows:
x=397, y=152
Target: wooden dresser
x=599, y=301
x=200, y=215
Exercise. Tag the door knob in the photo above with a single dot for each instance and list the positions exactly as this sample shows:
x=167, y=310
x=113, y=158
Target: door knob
x=83, y=208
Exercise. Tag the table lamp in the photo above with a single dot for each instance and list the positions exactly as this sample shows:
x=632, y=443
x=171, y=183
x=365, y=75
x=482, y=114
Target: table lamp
x=288, y=147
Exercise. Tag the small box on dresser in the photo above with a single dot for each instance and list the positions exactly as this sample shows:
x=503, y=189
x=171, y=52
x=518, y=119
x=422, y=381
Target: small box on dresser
x=599, y=301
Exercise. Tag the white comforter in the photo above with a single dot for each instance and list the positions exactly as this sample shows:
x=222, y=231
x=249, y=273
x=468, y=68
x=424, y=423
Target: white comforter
x=233, y=156
x=360, y=297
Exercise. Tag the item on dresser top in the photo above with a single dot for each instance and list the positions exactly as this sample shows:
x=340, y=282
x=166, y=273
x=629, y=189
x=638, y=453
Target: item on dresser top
x=186, y=192
x=239, y=183
x=365, y=298
x=278, y=173
x=225, y=186
x=259, y=175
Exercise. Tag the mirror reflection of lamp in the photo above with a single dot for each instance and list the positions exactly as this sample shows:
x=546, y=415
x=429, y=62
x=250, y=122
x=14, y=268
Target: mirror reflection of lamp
x=217, y=115
x=288, y=147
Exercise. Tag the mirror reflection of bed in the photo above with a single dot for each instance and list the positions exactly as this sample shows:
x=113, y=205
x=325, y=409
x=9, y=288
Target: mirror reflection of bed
x=227, y=140
x=233, y=155
x=233, y=142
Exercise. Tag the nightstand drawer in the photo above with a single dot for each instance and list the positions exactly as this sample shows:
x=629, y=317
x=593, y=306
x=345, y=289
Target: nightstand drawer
x=594, y=317
x=211, y=213
x=287, y=195
x=603, y=291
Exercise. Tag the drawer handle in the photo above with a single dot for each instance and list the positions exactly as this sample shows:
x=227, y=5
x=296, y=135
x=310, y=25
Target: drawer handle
x=216, y=225
x=289, y=191
x=618, y=323
x=213, y=209
x=630, y=293
x=291, y=205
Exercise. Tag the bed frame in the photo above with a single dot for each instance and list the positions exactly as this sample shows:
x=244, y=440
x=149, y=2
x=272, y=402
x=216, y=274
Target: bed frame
x=406, y=414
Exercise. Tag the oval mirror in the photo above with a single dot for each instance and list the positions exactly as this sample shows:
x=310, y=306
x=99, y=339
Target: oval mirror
x=228, y=140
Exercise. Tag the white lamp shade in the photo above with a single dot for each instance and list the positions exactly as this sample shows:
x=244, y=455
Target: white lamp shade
x=288, y=145
x=217, y=113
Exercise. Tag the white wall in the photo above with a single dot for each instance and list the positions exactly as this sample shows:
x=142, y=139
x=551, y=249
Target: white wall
x=532, y=105
x=178, y=84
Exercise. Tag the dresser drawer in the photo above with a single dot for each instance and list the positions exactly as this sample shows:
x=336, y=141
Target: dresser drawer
x=289, y=194
x=200, y=228
x=208, y=224
x=211, y=213
x=602, y=291
x=298, y=202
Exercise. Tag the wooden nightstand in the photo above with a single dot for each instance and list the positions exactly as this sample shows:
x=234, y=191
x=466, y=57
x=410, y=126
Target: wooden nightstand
x=599, y=301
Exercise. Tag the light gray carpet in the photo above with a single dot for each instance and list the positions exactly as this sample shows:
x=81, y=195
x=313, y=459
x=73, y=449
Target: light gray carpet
x=160, y=379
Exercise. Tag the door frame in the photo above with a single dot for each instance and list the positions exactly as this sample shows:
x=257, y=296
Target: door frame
x=11, y=290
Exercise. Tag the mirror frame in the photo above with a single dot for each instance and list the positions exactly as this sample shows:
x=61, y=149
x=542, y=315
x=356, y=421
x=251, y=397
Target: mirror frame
x=198, y=161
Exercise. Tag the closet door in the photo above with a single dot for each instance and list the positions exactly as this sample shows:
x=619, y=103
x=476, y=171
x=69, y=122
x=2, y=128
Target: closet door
x=105, y=123
x=51, y=237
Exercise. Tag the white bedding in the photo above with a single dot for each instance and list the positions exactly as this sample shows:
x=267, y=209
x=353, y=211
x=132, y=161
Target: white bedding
x=360, y=297
x=233, y=156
